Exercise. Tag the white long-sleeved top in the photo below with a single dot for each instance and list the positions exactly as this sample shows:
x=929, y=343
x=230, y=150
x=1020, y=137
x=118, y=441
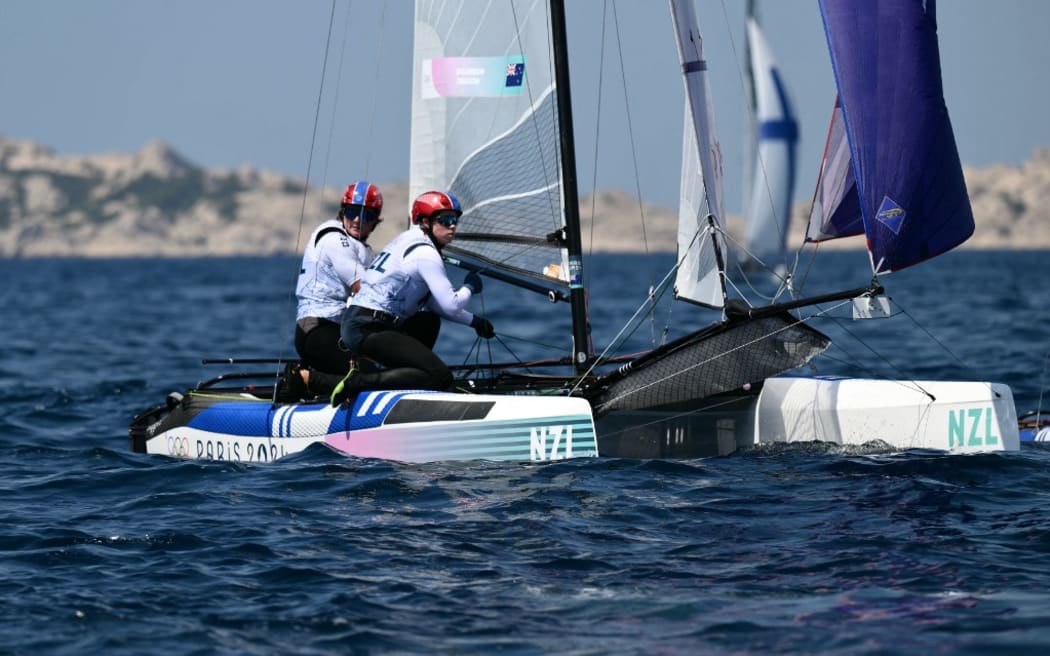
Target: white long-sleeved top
x=332, y=261
x=407, y=275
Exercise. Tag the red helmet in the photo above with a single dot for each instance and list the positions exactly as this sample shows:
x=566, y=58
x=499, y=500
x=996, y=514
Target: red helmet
x=365, y=194
x=434, y=201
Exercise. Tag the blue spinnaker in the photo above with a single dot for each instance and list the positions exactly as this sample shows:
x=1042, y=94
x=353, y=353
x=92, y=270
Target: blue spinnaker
x=909, y=178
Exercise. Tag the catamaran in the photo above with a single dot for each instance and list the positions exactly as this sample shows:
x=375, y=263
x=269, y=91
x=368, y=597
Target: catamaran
x=492, y=123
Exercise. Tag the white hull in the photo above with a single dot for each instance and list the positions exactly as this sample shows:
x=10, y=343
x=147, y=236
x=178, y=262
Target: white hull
x=447, y=427
x=958, y=417
x=955, y=417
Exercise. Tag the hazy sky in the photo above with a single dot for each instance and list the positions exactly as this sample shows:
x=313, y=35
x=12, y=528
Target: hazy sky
x=228, y=82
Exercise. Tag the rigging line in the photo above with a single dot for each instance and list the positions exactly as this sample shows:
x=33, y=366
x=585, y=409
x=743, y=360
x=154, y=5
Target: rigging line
x=309, y=163
x=704, y=362
x=650, y=312
x=375, y=83
x=783, y=280
x=478, y=365
x=901, y=375
x=614, y=340
x=849, y=362
x=911, y=384
x=335, y=104
x=936, y=341
x=908, y=384
x=654, y=296
x=488, y=342
x=799, y=285
x=317, y=119
x=800, y=282
x=634, y=160
x=552, y=347
x=597, y=126
x=622, y=338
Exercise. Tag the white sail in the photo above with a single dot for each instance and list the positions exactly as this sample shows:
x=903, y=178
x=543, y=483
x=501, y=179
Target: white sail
x=485, y=127
x=835, y=212
x=700, y=276
x=773, y=172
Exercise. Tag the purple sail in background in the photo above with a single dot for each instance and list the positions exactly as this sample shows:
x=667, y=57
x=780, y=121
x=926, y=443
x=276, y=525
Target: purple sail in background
x=909, y=179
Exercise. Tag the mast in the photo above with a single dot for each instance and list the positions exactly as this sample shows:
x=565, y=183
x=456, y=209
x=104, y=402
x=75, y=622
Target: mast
x=573, y=243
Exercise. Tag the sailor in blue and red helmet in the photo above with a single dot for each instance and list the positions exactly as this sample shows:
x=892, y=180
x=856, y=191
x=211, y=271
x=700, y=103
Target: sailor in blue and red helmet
x=336, y=256
x=406, y=277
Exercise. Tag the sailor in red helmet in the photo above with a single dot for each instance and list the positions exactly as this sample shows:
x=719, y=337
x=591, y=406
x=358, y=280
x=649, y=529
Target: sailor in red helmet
x=406, y=277
x=336, y=256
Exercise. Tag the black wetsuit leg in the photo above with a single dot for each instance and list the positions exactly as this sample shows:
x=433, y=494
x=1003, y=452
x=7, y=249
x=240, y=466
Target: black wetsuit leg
x=410, y=364
x=424, y=326
x=319, y=349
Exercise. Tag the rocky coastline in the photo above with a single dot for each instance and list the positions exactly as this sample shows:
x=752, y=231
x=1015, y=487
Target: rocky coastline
x=155, y=203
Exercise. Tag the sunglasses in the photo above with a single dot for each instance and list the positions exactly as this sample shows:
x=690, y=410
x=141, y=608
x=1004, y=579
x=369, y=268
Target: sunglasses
x=447, y=219
x=367, y=214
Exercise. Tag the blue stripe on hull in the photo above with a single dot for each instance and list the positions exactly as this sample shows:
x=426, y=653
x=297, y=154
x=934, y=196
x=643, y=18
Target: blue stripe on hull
x=517, y=439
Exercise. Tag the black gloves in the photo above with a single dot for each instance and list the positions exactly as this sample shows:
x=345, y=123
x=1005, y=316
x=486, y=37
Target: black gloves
x=473, y=282
x=483, y=327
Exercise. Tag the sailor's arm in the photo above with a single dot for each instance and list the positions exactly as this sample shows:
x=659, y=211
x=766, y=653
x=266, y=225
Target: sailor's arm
x=444, y=299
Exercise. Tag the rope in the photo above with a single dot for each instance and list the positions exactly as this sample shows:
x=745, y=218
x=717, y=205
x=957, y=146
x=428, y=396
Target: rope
x=309, y=165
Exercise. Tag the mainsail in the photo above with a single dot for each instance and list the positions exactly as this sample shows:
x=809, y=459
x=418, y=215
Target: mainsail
x=485, y=127
x=911, y=194
x=490, y=125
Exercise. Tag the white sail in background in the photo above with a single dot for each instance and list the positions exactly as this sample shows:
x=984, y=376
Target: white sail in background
x=773, y=170
x=485, y=127
x=700, y=276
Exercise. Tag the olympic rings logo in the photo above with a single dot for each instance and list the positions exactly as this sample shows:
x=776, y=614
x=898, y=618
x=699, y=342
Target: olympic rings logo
x=178, y=447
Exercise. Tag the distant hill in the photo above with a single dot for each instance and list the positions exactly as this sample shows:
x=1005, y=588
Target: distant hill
x=155, y=203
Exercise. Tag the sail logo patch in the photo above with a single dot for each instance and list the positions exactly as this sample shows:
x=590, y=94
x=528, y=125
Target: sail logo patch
x=891, y=214
x=515, y=74
x=472, y=77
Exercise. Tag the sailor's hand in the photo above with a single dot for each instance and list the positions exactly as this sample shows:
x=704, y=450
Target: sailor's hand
x=473, y=282
x=483, y=327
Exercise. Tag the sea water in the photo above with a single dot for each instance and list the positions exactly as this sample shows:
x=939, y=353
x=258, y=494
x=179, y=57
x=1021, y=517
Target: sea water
x=800, y=549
